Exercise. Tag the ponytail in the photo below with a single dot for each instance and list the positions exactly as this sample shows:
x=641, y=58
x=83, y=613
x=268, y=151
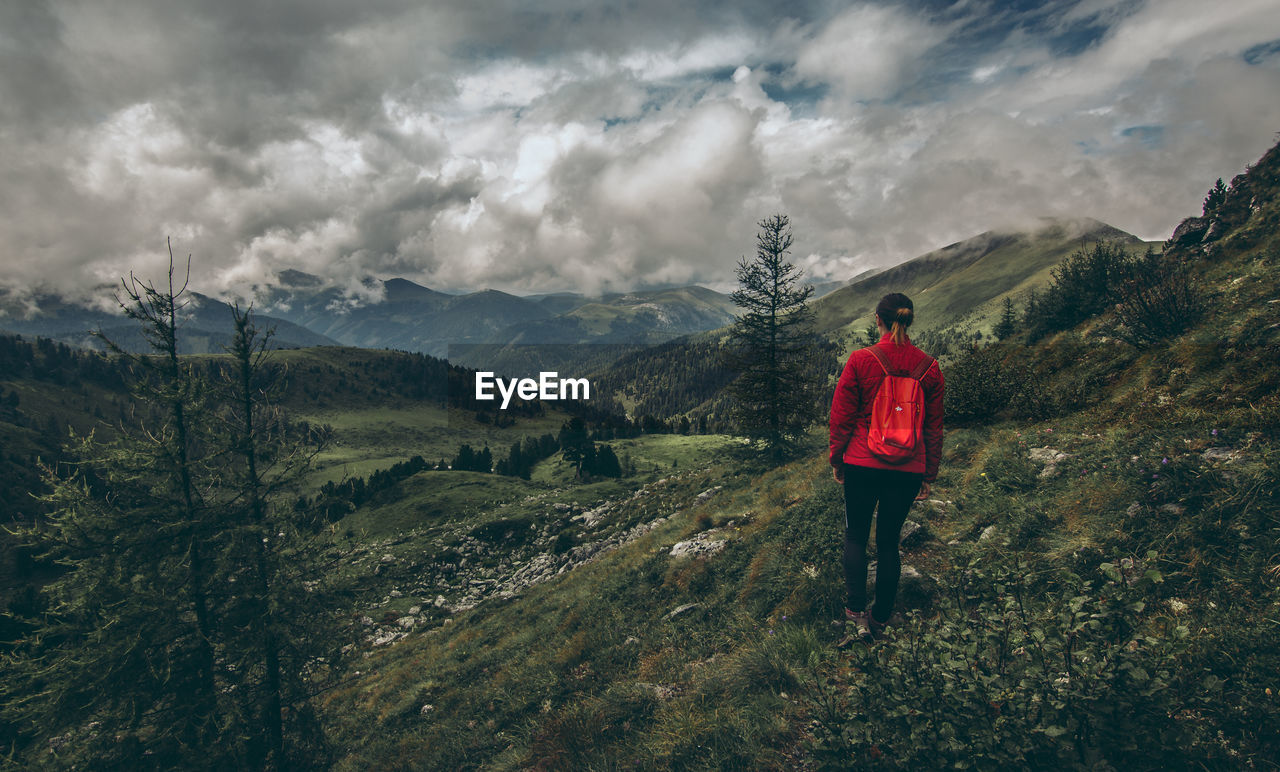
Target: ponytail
x=896, y=312
x=898, y=330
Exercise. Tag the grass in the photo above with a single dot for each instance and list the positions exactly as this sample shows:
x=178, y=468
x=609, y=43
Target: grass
x=963, y=282
x=373, y=438
x=590, y=671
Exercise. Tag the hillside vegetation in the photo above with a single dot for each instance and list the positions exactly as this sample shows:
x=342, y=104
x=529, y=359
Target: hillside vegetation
x=1094, y=584
x=1093, y=587
x=965, y=282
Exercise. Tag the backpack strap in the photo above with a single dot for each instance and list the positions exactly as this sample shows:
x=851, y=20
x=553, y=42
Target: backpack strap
x=922, y=368
x=881, y=358
x=916, y=373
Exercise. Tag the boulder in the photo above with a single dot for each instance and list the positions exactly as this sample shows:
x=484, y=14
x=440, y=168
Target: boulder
x=1050, y=457
x=1216, y=230
x=913, y=534
x=702, y=544
x=1190, y=231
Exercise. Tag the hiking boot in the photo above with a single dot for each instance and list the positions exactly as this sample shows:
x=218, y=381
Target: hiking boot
x=876, y=626
x=858, y=624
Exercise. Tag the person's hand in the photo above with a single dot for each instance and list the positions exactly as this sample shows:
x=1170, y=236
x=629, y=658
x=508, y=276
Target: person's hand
x=924, y=492
x=838, y=473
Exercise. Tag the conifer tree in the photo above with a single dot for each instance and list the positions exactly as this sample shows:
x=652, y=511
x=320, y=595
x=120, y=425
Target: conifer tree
x=1031, y=309
x=1216, y=197
x=772, y=346
x=178, y=634
x=269, y=636
x=1007, y=324
x=122, y=665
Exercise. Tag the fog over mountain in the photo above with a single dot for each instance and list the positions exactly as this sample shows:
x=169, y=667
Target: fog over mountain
x=591, y=148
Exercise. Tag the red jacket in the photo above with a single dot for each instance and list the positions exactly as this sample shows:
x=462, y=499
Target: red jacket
x=851, y=409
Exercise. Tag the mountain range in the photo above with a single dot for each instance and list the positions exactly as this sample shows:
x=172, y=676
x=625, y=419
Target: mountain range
x=966, y=281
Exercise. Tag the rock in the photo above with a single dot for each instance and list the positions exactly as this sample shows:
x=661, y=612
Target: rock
x=1134, y=510
x=912, y=534
x=1190, y=231
x=427, y=709
x=396, y=594
x=988, y=533
x=560, y=506
x=407, y=623
x=1044, y=455
x=702, y=544
x=440, y=601
x=708, y=493
x=1050, y=457
x=383, y=637
x=631, y=640
x=415, y=610
x=916, y=589
x=1225, y=455
x=678, y=610
x=661, y=691
x=1177, y=510
x=388, y=558
x=1215, y=231
x=366, y=621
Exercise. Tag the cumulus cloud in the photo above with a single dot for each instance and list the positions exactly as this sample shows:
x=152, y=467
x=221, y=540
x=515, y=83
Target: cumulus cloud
x=579, y=146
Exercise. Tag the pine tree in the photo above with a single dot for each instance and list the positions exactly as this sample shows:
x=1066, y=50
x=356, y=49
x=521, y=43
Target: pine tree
x=772, y=346
x=175, y=637
x=269, y=637
x=1031, y=309
x=123, y=663
x=1215, y=199
x=1007, y=324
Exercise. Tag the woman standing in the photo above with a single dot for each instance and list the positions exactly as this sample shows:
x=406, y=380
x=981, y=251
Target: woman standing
x=874, y=474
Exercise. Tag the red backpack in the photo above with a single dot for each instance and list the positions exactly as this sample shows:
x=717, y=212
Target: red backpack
x=897, y=413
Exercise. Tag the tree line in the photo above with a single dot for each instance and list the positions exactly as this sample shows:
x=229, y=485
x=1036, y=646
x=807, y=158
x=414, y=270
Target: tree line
x=179, y=632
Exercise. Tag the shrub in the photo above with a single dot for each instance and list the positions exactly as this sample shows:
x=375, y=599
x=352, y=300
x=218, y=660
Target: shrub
x=977, y=389
x=1011, y=676
x=1084, y=285
x=1158, y=300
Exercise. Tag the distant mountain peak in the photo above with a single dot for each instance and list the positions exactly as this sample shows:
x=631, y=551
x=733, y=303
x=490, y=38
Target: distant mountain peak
x=405, y=291
x=298, y=279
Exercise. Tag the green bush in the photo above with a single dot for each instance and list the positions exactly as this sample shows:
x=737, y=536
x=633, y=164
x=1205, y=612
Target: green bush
x=1021, y=669
x=1084, y=285
x=977, y=388
x=1157, y=301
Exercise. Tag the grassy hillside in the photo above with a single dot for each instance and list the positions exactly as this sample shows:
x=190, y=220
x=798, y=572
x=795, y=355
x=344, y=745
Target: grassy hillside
x=967, y=280
x=1094, y=583
x=1096, y=588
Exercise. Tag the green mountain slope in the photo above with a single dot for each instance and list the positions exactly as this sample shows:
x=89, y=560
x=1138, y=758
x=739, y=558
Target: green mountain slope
x=1081, y=583
x=967, y=280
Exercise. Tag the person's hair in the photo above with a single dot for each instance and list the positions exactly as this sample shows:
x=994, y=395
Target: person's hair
x=897, y=313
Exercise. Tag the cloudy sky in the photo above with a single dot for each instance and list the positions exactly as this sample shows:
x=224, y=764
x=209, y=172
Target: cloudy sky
x=567, y=145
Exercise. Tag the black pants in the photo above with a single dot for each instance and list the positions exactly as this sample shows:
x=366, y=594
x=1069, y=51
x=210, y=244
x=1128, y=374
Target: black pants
x=893, y=491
